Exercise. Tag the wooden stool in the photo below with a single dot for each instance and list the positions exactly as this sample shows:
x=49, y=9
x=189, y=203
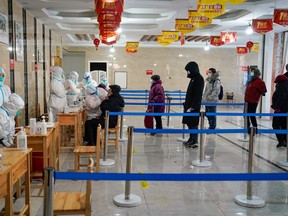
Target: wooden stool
x=115, y=130
x=88, y=150
x=68, y=203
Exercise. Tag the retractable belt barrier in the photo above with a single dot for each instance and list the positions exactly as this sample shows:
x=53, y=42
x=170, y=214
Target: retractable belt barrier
x=247, y=200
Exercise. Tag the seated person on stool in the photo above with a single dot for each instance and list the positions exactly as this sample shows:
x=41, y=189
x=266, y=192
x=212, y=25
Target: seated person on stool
x=113, y=103
x=8, y=111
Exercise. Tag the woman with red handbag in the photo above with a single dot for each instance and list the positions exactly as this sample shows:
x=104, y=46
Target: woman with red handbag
x=156, y=95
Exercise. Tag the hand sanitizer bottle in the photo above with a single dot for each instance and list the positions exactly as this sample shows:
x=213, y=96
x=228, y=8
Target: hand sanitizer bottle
x=22, y=139
x=43, y=126
x=50, y=117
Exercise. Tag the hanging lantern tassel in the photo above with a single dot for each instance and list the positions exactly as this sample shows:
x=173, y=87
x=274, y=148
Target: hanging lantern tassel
x=249, y=45
x=96, y=43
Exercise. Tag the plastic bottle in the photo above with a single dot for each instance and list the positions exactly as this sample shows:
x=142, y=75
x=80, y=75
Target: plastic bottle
x=22, y=139
x=50, y=117
x=66, y=109
x=43, y=126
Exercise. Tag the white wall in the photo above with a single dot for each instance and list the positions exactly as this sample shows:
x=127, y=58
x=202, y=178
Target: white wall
x=74, y=61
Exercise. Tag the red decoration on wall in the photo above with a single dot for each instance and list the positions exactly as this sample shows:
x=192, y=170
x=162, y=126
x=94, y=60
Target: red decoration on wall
x=216, y=41
x=281, y=17
x=262, y=26
x=249, y=45
x=149, y=72
x=96, y=43
x=242, y=50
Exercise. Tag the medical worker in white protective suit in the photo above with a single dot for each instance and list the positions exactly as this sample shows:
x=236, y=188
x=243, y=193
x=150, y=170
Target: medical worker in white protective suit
x=93, y=99
x=57, y=100
x=8, y=111
x=104, y=84
x=4, y=89
x=86, y=81
x=71, y=88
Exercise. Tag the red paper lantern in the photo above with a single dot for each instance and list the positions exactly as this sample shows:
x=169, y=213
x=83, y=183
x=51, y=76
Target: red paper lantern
x=96, y=43
x=249, y=44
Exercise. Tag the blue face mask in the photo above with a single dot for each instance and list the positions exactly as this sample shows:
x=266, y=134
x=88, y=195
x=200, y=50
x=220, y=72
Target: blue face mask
x=18, y=113
x=2, y=79
x=62, y=76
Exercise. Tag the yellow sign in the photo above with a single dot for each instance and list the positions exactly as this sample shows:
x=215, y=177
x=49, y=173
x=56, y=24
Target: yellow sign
x=161, y=41
x=132, y=46
x=184, y=26
x=235, y=2
x=198, y=20
x=170, y=36
x=255, y=47
x=143, y=183
x=211, y=8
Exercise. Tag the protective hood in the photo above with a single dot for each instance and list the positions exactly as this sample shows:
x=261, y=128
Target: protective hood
x=104, y=81
x=2, y=71
x=57, y=72
x=92, y=88
x=73, y=75
x=192, y=69
x=14, y=104
x=2, y=79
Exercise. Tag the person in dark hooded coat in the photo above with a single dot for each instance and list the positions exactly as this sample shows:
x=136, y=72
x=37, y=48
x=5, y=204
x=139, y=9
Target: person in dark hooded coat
x=193, y=101
x=280, y=105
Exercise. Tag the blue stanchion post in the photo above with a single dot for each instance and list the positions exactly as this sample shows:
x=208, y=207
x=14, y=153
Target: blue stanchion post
x=48, y=191
x=248, y=200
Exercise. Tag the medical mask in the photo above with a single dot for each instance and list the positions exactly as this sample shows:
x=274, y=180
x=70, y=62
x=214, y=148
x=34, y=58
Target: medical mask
x=252, y=74
x=75, y=81
x=2, y=79
x=18, y=113
x=209, y=74
x=188, y=73
x=151, y=81
x=62, y=76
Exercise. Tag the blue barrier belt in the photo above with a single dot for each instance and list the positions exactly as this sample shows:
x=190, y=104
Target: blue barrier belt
x=246, y=114
x=186, y=131
x=151, y=114
x=153, y=104
x=172, y=176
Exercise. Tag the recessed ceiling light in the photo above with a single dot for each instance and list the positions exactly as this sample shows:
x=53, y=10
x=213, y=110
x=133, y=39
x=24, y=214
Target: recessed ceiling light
x=180, y=55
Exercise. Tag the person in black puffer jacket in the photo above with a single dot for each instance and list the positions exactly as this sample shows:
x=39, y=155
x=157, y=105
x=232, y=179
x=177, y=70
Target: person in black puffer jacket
x=113, y=103
x=280, y=105
x=192, y=102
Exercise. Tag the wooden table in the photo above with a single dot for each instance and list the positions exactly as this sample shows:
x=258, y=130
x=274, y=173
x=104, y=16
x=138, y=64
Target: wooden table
x=16, y=164
x=70, y=119
x=45, y=151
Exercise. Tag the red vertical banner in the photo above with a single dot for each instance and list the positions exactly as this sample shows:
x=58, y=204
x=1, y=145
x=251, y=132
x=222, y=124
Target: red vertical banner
x=262, y=26
x=11, y=64
x=281, y=16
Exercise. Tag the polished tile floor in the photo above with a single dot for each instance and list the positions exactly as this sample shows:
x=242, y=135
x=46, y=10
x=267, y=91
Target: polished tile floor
x=166, y=155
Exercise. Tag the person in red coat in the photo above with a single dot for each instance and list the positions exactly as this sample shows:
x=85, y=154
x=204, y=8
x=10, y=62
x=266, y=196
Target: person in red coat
x=255, y=89
x=157, y=95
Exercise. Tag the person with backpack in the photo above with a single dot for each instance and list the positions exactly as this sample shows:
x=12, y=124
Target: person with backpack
x=211, y=95
x=255, y=89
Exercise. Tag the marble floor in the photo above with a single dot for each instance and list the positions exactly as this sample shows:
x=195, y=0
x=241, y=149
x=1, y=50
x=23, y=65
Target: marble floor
x=165, y=154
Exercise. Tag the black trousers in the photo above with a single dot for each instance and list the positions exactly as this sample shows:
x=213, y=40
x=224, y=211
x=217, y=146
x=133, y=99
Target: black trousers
x=91, y=130
x=279, y=123
x=158, y=120
x=252, y=109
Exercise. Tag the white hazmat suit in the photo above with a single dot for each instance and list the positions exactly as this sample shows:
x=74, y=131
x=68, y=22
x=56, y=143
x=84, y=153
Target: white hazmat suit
x=57, y=100
x=86, y=81
x=8, y=111
x=93, y=100
x=4, y=89
x=71, y=88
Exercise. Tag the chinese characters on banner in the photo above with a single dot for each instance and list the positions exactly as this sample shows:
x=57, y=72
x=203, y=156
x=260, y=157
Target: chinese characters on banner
x=161, y=41
x=262, y=26
x=132, y=47
x=228, y=37
x=242, y=50
x=216, y=41
x=184, y=26
x=198, y=20
x=281, y=16
x=211, y=8
x=170, y=36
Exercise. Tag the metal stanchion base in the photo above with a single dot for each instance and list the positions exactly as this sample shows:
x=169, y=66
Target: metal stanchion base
x=123, y=139
x=203, y=163
x=243, y=139
x=181, y=139
x=107, y=162
x=283, y=163
x=133, y=200
x=255, y=202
